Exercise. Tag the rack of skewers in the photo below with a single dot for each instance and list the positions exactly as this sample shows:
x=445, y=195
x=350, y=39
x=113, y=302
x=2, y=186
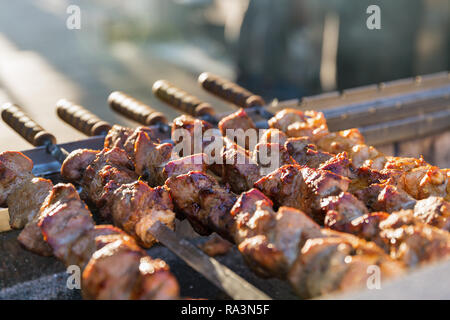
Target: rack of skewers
x=326, y=208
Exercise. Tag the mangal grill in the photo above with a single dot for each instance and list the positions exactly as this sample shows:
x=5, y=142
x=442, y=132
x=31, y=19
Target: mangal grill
x=387, y=114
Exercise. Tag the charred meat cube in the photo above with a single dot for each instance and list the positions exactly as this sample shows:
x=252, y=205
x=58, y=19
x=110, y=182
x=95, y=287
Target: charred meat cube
x=150, y=158
x=196, y=162
x=64, y=220
x=339, y=164
x=271, y=156
x=305, y=153
x=205, y=203
x=336, y=142
x=15, y=169
x=434, y=211
x=337, y=262
x=121, y=270
x=296, y=123
x=189, y=132
x=136, y=207
x=344, y=208
x=234, y=127
x=385, y=197
x=268, y=240
x=25, y=201
x=302, y=188
x=76, y=163
x=239, y=170
x=272, y=135
x=110, y=169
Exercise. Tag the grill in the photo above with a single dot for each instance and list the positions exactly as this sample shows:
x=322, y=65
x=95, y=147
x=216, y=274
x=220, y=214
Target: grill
x=387, y=114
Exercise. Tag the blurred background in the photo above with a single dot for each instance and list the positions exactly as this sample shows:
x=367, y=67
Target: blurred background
x=279, y=49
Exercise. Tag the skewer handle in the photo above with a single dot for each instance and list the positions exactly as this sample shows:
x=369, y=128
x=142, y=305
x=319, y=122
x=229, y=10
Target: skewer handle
x=229, y=91
x=25, y=126
x=81, y=119
x=180, y=99
x=135, y=109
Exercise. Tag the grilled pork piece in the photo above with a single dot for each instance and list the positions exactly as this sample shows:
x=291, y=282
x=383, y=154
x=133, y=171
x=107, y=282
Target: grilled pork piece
x=18, y=184
x=239, y=169
x=125, y=138
x=296, y=123
x=305, y=153
x=302, y=188
x=188, y=132
x=271, y=156
x=203, y=201
x=15, y=168
x=150, y=158
x=335, y=261
x=121, y=270
x=112, y=168
x=135, y=207
x=336, y=142
x=273, y=135
x=434, y=211
x=196, y=162
x=234, y=127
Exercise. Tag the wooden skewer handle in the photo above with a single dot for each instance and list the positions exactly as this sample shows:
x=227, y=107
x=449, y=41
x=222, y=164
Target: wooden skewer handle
x=229, y=91
x=135, y=109
x=180, y=99
x=25, y=126
x=81, y=119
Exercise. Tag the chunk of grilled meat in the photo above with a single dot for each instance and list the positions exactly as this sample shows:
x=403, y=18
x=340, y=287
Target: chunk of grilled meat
x=363, y=155
x=336, y=142
x=18, y=184
x=338, y=262
x=203, y=202
x=150, y=158
x=125, y=138
x=15, y=168
x=271, y=156
x=273, y=135
x=401, y=234
x=110, y=167
x=188, y=132
x=239, y=169
x=434, y=211
x=135, y=207
x=235, y=125
x=342, y=209
x=296, y=123
x=121, y=270
x=302, y=188
x=385, y=197
x=24, y=202
x=412, y=241
x=269, y=241
x=196, y=162
x=305, y=153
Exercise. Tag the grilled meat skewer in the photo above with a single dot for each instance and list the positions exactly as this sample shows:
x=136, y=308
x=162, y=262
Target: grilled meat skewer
x=115, y=267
